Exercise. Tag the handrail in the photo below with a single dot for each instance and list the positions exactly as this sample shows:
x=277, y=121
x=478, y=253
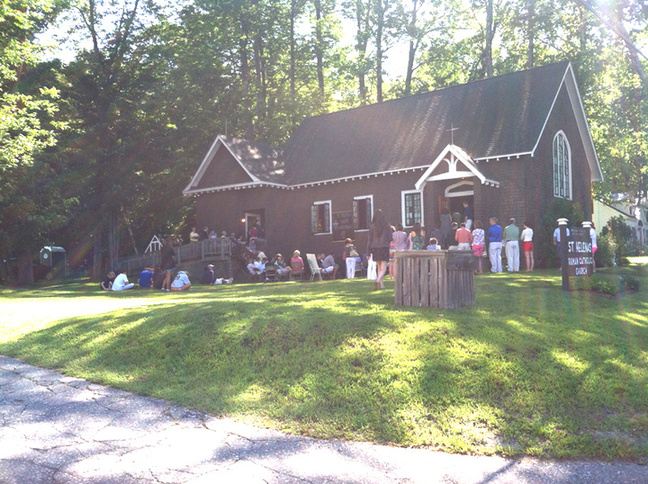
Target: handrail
x=205, y=249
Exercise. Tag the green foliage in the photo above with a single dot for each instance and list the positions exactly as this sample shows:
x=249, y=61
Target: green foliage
x=30, y=207
x=539, y=372
x=546, y=253
x=620, y=239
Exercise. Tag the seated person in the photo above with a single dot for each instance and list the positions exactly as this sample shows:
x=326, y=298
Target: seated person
x=434, y=244
x=121, y=282
x=181, y=282
x=282, y=268
x=260, y=263
x=158, y=278
x=254, y=268
x=222, y=280
x=107, y=281
x=208, y=276
x=146, y=278
x=328, y=264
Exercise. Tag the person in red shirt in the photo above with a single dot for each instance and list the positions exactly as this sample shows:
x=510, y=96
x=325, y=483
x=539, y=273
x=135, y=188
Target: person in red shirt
x=463, y=237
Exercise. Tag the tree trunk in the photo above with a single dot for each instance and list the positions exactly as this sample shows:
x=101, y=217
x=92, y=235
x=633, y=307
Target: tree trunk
x=293, y=14
x=413, y=45
x=488, y=41
x=380, y=23
x=319, y=41
x=362, y=24
x=113, y=241
x=530, y=34
x=97, y=253
x=25, y=270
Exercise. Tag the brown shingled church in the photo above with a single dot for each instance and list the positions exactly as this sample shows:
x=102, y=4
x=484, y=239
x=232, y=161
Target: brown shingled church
x=509, y=145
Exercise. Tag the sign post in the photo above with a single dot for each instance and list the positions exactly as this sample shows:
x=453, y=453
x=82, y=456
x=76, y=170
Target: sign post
x=562, y=226
x=575, y=252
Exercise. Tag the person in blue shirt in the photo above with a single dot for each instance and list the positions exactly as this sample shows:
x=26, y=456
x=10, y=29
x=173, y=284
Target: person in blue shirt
x=146, y=278
x=494, y=236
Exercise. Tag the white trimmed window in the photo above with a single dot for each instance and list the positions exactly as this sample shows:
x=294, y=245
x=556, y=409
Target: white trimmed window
x=321, y=217
x=562, y=172
x=362, y=212
x=411, y=207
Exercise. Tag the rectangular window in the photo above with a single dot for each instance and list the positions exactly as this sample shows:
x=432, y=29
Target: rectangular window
x=362, y=212
x=412, y=207
x=321, y=217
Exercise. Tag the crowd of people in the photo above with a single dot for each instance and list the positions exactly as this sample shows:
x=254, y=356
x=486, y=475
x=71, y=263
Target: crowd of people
x=461, y=233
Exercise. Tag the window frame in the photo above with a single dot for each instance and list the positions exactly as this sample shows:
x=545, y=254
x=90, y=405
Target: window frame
x=356, y=216
x=404, y=194
x=562, y=173
x=329, y=215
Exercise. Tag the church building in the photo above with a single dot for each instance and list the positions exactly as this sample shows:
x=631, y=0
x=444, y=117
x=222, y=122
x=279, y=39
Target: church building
x=509, y=145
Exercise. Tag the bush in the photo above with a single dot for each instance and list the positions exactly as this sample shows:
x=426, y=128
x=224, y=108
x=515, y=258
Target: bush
x=629, y=283
x=621, y=239
x=605, y=285
x=604, y=253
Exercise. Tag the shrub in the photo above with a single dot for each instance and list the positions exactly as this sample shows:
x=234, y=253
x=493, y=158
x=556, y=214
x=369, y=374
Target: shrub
x=621, y=239
x=629, y=283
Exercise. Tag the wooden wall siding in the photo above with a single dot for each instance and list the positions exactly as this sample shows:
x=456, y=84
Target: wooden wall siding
x=223, y=170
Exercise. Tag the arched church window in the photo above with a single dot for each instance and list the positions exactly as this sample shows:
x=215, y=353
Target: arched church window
x=562, y=172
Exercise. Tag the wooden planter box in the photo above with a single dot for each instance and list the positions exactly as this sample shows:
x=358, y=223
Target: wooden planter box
x=437, y=279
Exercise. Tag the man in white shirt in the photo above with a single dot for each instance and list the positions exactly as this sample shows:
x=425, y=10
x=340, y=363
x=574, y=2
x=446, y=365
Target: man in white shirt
x=121, y=282
x=181, y=282
x=328, y=265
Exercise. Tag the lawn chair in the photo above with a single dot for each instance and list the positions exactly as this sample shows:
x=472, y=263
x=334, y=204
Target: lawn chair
x=271, y=273
x=314, y=268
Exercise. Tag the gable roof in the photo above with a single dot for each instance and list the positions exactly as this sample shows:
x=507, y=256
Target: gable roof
x=455, y=159
x=261, y=162
x=493, y=118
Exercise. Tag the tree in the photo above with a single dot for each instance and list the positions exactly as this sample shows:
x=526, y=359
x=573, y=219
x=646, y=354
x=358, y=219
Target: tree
x=27, y=127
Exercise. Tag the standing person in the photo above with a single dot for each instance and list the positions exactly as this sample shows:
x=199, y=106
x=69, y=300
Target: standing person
x=592, y=231
x=416, y=237
x=527, y=245
x=463, y=237
x=379, y=239
x=446, y=227
x=168, y=264
x=401, y=242
x=556, y=241
x=205, y=233
x=350, y=256
x=494, y=236
x=194, y=236
x=478, y=242
x=511, y=238
x=467, y=214
x=121, y=282
x=107, y=281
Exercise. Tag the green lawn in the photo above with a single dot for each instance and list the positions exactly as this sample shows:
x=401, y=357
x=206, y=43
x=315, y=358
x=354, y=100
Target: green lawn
x=528, y=370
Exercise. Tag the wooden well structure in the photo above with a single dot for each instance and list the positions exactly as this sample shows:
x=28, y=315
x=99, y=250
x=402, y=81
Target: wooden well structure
x=437, y=279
